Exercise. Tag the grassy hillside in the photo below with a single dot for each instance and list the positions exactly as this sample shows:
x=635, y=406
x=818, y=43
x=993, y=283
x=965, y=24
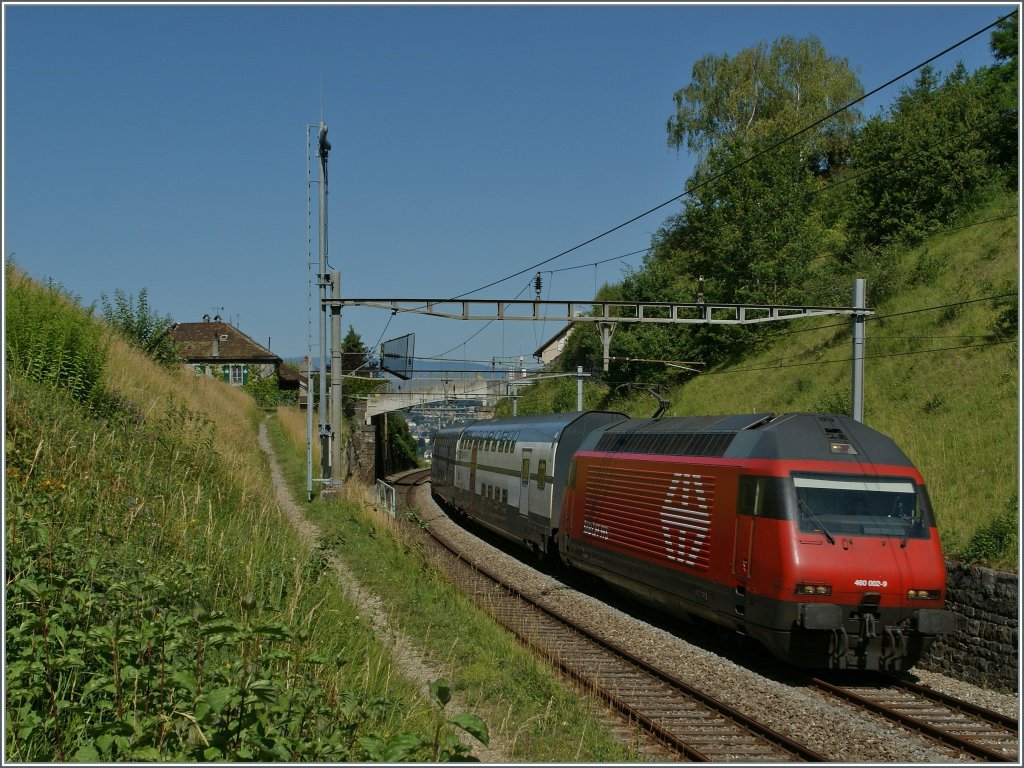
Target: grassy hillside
x=941, y=378
x=160, y=608
x=157, y=607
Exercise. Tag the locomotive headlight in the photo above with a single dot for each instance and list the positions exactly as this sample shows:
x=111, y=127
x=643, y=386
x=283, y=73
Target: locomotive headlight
x=923, y=594
x=813, y=589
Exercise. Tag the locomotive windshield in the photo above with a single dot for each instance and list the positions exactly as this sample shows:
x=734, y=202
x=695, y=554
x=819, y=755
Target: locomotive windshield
x=861, y=506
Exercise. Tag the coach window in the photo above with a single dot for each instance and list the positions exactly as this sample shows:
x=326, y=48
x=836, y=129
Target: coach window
x=524, y=475
x=542, y=468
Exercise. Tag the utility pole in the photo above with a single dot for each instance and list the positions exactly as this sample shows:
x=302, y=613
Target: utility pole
x=323, y=149
x=336, y=373
x=858, y=320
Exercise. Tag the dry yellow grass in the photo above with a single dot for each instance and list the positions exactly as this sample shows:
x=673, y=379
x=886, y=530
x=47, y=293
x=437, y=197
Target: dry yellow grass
x=293, y=423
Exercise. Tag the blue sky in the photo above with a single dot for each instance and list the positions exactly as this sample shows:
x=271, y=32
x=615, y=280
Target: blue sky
x=164, y=147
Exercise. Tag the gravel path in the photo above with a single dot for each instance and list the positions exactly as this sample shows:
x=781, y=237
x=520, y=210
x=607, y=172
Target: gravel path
x=407, y=657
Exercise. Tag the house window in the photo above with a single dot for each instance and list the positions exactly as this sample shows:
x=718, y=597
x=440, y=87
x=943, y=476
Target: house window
x=236, y=374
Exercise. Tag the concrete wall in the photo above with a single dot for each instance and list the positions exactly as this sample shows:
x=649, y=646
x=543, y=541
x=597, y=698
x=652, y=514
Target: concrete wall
x=983, y=648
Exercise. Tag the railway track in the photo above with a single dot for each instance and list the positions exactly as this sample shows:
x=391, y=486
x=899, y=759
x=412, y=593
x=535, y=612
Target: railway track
x=969, y=729
x=692, y=724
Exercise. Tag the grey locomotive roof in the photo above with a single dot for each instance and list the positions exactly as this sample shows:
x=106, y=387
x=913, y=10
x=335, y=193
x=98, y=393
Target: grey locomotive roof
x=792, y=436
x=811, y=436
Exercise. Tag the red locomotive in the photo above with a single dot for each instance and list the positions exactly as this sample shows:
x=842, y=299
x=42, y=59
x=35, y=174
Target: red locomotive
x=810, y=533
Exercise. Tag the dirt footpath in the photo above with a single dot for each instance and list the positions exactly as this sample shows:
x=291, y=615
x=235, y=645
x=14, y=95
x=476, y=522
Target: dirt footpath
x=409, y=661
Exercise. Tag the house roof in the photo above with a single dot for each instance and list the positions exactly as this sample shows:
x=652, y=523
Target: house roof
x=200, y=342
x=290, y=373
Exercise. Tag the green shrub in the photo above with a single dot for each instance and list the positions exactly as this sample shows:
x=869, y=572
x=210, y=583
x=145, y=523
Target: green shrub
x=142, y=326
x=267, y=392
x=996, y=541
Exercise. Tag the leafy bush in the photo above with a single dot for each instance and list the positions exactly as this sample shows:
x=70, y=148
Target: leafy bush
x=142, y=326
x=997, y=541
x=267, y=392
x=111, y=658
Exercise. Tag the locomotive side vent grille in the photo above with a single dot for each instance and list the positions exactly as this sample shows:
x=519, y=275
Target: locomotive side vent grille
x=680, y=444
x=835, y=434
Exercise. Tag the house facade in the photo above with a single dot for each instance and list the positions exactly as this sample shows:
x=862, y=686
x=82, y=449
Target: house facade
x=553, y=347
x=219, y=350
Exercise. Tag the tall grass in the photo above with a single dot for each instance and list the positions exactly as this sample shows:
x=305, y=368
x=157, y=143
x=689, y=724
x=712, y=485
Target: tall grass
x=519, y=695
x=158, y=607
x=293, y=422
x=47, y=339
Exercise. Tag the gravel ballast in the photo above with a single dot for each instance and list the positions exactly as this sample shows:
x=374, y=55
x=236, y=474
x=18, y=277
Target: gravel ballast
x=826, y=725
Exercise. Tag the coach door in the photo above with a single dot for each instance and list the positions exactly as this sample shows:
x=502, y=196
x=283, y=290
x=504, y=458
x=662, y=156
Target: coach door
x=524, y=482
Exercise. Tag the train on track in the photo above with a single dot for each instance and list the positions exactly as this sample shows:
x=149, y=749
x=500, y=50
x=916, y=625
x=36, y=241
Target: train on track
x=810, y=533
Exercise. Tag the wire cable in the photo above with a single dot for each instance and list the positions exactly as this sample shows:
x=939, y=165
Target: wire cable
x=484, y=326
x=742, y=163
x=846, y=360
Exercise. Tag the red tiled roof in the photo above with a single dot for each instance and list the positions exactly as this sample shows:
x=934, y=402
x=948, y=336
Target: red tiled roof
x=196, y=342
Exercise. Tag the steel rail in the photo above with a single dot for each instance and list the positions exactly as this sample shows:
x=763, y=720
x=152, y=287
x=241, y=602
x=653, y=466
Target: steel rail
x=988, y=715
x=663, y=734
x=917, y=724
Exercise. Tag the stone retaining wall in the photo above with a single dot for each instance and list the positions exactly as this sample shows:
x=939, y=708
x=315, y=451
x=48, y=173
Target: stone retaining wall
x=983, y=648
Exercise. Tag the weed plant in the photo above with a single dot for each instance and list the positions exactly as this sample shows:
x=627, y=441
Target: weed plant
x=47, y=340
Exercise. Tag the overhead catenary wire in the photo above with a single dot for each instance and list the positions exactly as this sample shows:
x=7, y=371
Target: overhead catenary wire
x=485, y=325
x=846, y=360
x=736, y=166
x=854, y=176
x=873, y=338
x=892, y=314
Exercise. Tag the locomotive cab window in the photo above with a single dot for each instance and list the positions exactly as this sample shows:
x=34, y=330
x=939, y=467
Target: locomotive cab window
x=864, y=506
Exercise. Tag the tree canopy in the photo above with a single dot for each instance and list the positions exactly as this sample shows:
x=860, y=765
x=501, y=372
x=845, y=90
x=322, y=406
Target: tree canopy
x=764, y=94
x=786, y=207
